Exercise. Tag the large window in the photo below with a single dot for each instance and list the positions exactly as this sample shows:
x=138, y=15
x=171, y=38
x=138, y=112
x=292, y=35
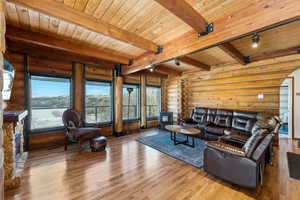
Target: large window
x=130, y=102
x=153, y=101
x=98, y=102
x=50, y=97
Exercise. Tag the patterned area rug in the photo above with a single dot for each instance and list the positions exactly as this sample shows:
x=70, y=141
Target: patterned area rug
x=162, y=142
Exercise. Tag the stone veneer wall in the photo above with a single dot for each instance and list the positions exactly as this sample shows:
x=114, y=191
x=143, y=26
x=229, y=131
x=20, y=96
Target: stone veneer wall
x=2, y=49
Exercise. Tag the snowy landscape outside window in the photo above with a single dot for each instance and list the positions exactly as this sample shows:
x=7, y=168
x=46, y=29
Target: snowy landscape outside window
x=98, y=102
x=50, y=97
x=153, y=101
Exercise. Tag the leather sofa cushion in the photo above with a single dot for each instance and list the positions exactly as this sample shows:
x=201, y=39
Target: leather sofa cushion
x=199, y=115
x=245, y=115
x=254, y=141
x=215, y=129
x=211, y=115
x=243, y=124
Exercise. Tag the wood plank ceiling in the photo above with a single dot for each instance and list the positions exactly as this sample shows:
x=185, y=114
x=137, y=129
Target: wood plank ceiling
x=151, y=21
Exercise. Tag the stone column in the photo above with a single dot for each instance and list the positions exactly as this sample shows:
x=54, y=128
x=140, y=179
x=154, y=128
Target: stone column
x=2, y=49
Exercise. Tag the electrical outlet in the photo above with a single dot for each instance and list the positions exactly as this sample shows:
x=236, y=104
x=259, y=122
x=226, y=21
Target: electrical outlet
x=260, y=96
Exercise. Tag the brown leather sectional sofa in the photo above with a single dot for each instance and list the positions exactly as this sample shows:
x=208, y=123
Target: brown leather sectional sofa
x=239, y=144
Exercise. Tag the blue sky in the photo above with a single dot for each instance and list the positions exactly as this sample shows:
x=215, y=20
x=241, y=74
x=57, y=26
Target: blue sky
x=50, y=89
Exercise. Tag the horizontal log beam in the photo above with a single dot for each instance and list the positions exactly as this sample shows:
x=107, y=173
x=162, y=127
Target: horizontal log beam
x=167, y=70
x=64, y=12
x=194, y=63
x=275, y=54
x=233, y=53
x=59, y=44
x=50, y=53
x=154, y=73
x=260, y=14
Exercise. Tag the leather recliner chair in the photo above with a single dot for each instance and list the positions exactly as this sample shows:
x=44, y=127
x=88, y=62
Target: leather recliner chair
x=244, y=165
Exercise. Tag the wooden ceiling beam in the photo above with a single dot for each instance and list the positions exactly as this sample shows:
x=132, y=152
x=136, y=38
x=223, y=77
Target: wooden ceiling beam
x=165, y=69
x=55, y=43
x=50, y=53
x=194, y=63
x=190, y=16
x=154, y=73
x=233, y=53
x=186, y=13
x=64, y=12
x=275, y=54
x=258, y=15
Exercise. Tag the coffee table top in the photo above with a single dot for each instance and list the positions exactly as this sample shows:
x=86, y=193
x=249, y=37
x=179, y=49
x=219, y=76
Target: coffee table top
x=183, y=129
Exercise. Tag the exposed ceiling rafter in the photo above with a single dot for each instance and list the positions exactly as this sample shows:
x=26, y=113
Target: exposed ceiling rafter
x=266, y=13
x=194, y=63
x=165, y=69
x=55, y=43
x=64, y=12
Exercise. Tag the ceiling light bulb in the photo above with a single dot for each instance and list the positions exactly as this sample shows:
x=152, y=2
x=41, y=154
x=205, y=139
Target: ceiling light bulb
x=255, y=41
x=151, y=69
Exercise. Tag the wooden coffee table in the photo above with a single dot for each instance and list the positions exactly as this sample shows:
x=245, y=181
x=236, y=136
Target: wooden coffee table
x=183, y=130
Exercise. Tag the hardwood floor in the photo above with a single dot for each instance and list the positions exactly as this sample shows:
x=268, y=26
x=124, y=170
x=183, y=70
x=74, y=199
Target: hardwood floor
x=130, y=170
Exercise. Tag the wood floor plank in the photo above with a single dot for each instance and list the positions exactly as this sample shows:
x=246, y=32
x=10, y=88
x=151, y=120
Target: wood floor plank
x=130, y=170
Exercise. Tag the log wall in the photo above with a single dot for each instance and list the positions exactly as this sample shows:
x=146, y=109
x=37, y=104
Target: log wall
x=231, y=87
x=2, y=50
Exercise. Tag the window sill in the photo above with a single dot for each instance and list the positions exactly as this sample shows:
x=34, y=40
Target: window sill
x=104, y=124
x=130, y=120
x=153, y=118
x=43, y=130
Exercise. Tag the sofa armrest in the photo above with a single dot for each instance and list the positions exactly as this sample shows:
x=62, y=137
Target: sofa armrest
x=226, y=148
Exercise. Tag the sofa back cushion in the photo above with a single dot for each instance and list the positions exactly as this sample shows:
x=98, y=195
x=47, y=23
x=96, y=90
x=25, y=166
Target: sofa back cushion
x=211, y=115
x=199, y=115
x=223, y=118
x=243, y=121
x=254, y=141
x=268, y=122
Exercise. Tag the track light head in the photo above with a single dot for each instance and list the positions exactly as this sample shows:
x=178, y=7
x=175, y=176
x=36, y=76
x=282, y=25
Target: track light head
x=255, y=40
x=177, y=62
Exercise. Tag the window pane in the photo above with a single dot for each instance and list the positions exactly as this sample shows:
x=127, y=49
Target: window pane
x=98, y=102
x=50, y=98
x=153, y=101
x=130, y=108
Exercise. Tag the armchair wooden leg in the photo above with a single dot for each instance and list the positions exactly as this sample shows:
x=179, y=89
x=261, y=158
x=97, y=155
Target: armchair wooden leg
x=66, y=143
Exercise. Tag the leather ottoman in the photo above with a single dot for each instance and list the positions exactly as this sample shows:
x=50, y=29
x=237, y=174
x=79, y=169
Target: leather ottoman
x=98, y=143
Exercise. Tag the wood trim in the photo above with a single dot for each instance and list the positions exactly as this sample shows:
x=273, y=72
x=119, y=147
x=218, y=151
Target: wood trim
x=194, y=63
x=186, y=13
x=59, y=44
x=266, y=13
x=62, y=11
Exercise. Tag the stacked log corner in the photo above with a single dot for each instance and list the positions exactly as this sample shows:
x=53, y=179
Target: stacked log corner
x=2, y=50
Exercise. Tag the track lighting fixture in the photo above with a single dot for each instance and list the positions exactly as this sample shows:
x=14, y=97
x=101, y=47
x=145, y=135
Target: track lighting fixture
x=177, y=62
x=255, y=40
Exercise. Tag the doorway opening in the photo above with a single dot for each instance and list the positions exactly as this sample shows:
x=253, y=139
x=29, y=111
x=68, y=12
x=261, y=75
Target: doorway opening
x=286, y=108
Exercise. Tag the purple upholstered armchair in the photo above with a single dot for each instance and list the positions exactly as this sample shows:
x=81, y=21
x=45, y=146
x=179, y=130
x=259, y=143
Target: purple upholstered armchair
x=75, y=132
